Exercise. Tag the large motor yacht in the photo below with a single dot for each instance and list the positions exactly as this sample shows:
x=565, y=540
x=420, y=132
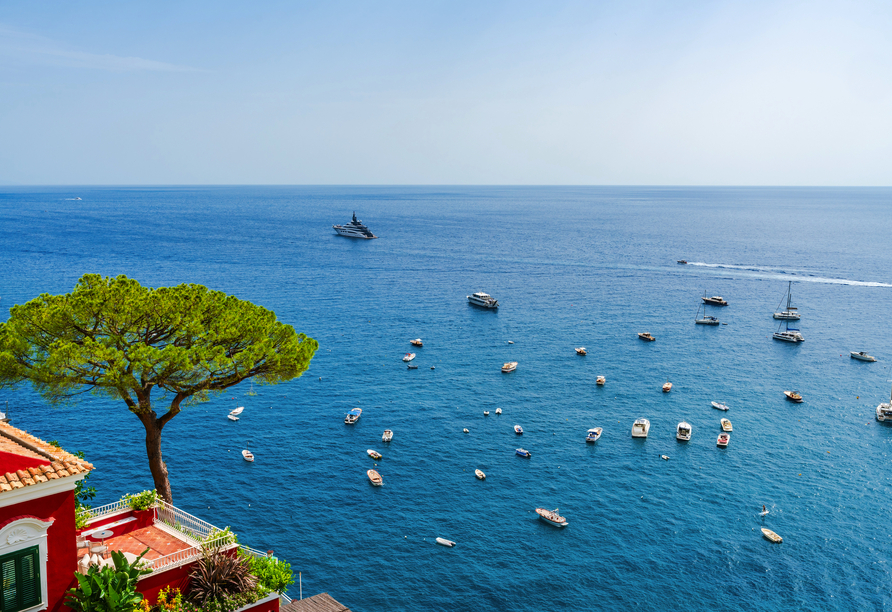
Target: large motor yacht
x=354, y=229
x=484, y=300
x=884, y=410
x=640, y=428
x=683, y=431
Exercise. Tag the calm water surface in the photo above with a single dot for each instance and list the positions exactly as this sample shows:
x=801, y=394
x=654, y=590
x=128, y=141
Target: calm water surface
x=571, y=267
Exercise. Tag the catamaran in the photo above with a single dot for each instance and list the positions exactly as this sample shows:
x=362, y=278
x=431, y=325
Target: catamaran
x=790, y=312
x=789, y=334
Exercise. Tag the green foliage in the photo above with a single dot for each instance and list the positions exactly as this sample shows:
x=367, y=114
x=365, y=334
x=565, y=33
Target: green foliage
x=272, y=574
x=82, y=515
x=218, y=575
x=108, y=589
x=226, y=603
x=226, y=536
x=141, y=501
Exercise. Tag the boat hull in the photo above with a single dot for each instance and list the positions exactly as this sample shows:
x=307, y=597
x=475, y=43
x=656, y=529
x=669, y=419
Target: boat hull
x=786, y=316
x=861, y=357
x=706, y=322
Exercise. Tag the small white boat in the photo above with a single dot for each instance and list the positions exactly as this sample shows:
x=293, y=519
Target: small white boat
x=601, y=380
x=248, y=455
x=237, y=411
x=486, y=413
x=664, y=457
x=498, y=411
x=640, y=428
x=353, y=416
x=723, y=440
x=479, y=474
x=770, y=535
x=465, y=430
x=720, y=406
x=861, y=356
x=715, y=300
x=374, y=454
x=884, y=410
x=416, y=342
x=375, y=478
x=484, y=300
x=667, y=387
x=580, y=351
x=522, y=452
x=726, y=425
x=552, y=517
x=518, y=429
x=412, y=366
x=232, y=417
x=793, y=396
x=387, y=436
x=593, y=434
x=511, y=342
x=509, y=367
x=790, y=314
x=646, y=336
x=409, y=357
x=683, y=431
x=445, y=542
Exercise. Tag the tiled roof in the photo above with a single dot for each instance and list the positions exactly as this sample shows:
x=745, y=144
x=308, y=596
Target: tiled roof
x=59, y=463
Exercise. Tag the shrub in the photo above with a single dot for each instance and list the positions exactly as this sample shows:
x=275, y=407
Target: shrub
x=218, y=575
x=272, y=574
x=141, y=501
x=108, y=589
x=225, y=535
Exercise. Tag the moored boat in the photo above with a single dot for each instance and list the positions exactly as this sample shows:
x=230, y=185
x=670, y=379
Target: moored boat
x=486, y=413
x=789, y=334
x=518, y=429
x=445, y=542
x=646, y=336
x=483, y=300
x=793, y=396
x=667, y=387
x=720, y=406
x=387, y=436
x=790, y=313
x=409, y=357
x=521, y=452
x=552, y=517
x=705, y=319
x=354, y=229
x=593, y=434
x=498, y=411
x=237, y=411
x=375, y=478
x=248, y=455
x=640, y=428
x=416, y=342
x=683, y=431
x=861, y=356
x=580, y=350
x=411, y=366
x=480, y=475
x=726, y=425
x=232, y=417
x=715, y=300
x=353, y=416
x=770, y=535
x=884, y=410
x=374, y=454
x=601, y=380
x=509, y=367
x=723, y=440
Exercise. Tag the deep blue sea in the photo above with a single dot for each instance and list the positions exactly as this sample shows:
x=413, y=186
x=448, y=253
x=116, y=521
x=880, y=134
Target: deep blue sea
x=570, y=267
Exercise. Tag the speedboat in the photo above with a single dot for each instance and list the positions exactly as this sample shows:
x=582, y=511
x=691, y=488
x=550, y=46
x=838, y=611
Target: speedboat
x=498, y=411
x=445, y=542
x=374, y=454
x=720, y=406
x=593, y=434
x=375, y=478
x=681, y=261
x=486, y=413
x=248, y=455
x=479, y=474
x=640, y=428
x=884, y=410
x=353, y=416
x=411, y=366
x=509, y=367
x=518, y=429
x=409, y=357
x=580, y=351
x=723, y=440
x=354, y=229
x=232, y=417
x=523, y=453
x=861, y=356
x=387, y=436
x=715, y=300
x=726, y=425
x=552, y=517
x=770, y=535
x=646, y=336
x=484, y=300
x=683, y=431
x=601, y=380
x=237, y=411
x=466, y=430
x=789, y=314
x=416, y=342
x=793, y=396
x=667, y=387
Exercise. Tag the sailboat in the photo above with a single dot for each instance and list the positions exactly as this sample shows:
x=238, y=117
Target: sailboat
x=789, y=313
x=789, y=334
x=706, y=319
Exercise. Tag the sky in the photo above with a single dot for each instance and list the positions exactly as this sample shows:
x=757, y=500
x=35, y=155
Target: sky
x=470, y=93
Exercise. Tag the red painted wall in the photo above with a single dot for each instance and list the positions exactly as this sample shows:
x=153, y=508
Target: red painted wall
x=61, y=546
x=10, y=462
x=144, y=518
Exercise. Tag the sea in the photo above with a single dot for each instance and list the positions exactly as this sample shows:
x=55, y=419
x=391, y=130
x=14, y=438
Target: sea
x=571, y=267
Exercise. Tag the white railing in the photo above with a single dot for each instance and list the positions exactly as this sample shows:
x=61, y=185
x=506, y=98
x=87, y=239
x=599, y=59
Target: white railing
x=253, y=551
x=107, y=509
x=181, y=557
x=184, y=522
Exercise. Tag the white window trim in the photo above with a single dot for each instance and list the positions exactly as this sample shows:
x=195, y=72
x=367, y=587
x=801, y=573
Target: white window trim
x=25, y=533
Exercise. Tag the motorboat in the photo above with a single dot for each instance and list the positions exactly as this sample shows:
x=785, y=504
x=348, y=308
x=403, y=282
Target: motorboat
x=681, y=261
x=411, y=366
x=723, y=440
x=601, y=380
x=374, y=454
x=593, y=434
x=479, y=474
x=790, y=313
x=726, y=425
x=248, y=455
x=793, y=396
x=237, y=411
x=884, y=410
x=354, y=229
x=640, y=428
x=683, y=431
x=509, y=367
x=715, y=300
x=789, y=334
x=581, y=351
x=523, y=453
x=664, y=457
x=862, y=356
x=518, y=429
x=720, y=406
x=552, y=517
x=667, y=387
x=232, y=417
x=483, y=300
x=770, y=535
x=646, y=336
x=375, y=478
x=387, y=436
x=409, y=357
x=353, y=416
x=416, y=342
x=486, y=413
x=498, y=411
x=445, y=542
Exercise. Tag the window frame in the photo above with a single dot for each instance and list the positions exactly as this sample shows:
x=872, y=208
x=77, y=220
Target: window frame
x=17, y=556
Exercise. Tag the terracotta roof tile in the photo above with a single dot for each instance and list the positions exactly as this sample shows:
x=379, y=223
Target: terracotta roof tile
x=18, y=442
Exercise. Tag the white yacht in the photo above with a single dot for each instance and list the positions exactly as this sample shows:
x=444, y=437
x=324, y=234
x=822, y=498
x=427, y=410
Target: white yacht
x=354, y=229
x=789, y=313
x=726, y=425
x=593, y=434
x=640, y=428
x=498, y=411
x=715, y=300
x=884, y=410
x=683, y=431
x=409, y=357
x=789, y=334
x=387, y=436
x=601, y=380
x=552, y=517
x=484, y=300
x=509, y=367
x=705, y=319
x=862, y=356
x=237, y=411
x=720, y=406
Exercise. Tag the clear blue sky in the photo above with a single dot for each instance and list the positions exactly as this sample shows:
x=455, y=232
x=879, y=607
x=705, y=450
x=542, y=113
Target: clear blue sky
x=635, y=92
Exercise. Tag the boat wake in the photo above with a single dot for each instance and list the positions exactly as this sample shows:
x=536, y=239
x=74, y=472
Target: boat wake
x=779, y=273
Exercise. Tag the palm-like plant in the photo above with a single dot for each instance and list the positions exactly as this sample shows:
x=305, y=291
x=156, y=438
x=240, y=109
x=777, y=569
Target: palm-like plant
x=217, y=575
x=109, y=589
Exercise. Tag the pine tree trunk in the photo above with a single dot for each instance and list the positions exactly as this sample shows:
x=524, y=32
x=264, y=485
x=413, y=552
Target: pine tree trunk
x=153, y=450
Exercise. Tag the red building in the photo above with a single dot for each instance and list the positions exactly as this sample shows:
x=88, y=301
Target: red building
x=41, y=549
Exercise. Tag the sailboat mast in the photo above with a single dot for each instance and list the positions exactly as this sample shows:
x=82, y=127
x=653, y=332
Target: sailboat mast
x=789, y=295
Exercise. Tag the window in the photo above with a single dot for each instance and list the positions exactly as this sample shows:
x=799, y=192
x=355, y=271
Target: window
x=21, y=580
